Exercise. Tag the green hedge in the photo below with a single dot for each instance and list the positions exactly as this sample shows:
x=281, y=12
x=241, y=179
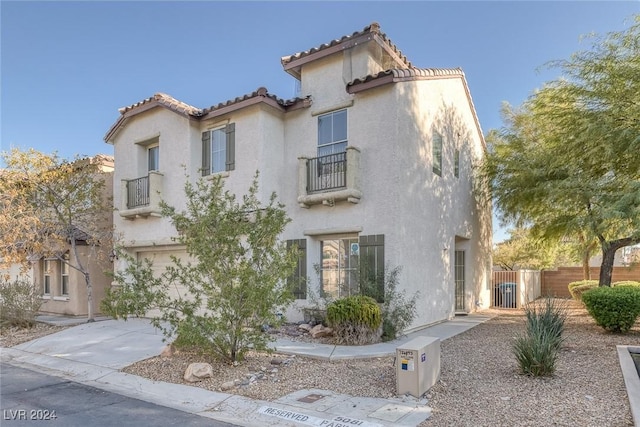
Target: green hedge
x=581, y=282
x=355, y=320
x=576, y=289
x=627, y=283
x=615, y=309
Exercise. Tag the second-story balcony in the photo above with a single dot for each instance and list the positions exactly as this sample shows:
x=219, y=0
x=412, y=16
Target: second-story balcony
x=141, y=196
x=329, y=179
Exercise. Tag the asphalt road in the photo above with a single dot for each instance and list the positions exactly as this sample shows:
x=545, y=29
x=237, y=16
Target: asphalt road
x=32, y=398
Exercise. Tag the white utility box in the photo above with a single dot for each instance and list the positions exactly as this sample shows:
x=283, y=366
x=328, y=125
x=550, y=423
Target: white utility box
x=417, y=365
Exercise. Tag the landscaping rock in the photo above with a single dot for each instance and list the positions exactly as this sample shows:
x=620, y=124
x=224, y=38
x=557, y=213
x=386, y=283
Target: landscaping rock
x=227, y=385
x=305, y=327
x=320, y=331
x=197, y=372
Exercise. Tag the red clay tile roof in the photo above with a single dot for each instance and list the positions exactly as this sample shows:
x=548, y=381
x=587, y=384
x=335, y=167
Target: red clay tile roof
x=370, y=32
x=401, y=74
x=167, y=101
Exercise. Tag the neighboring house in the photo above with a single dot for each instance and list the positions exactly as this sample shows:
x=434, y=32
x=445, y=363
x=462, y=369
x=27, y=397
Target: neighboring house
x=10, y=272
x=64, y=289
x=374, y=162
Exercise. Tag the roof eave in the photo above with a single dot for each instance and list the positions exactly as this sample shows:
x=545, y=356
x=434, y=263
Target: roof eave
x=130, y=112
x=294, y=67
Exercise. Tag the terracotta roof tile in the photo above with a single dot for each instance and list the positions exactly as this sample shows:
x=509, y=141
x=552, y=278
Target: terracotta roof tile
x=373, y=29
x=168, y=101
x=161, y=99
x=260, y=92
x=399, y=74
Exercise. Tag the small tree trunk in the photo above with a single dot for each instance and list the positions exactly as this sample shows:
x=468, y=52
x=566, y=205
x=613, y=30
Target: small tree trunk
x=606, y=269
x=586, y=270
x=608, y=256
x=90, y=315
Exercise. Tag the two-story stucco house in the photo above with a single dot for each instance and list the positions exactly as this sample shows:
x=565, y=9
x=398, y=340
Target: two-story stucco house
x=373, y=161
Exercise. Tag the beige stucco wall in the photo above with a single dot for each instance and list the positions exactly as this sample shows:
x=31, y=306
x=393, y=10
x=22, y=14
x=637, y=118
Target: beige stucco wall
x=423, y=217
x=75, y=303
x=419, y=213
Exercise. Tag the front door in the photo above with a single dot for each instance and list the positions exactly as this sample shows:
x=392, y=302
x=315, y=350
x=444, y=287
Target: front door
x=458, y=267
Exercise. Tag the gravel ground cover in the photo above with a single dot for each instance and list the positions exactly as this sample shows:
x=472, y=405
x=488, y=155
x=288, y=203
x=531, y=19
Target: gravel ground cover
x=479, y=383
x=11, y=336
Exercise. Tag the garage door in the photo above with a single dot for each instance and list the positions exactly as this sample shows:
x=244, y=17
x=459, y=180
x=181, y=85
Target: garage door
x=160, y=260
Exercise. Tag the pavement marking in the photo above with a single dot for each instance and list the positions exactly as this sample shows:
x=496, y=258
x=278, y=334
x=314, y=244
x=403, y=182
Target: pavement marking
x=309, y=420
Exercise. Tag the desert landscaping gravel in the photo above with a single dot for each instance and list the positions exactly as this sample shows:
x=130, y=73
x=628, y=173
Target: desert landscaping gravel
x=479, y=383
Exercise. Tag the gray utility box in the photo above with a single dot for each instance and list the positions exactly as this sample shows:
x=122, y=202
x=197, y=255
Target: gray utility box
x=417, y=365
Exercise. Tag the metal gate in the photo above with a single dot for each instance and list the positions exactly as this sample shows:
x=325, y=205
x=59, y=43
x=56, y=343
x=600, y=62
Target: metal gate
x=505, y=289
x=514, y=289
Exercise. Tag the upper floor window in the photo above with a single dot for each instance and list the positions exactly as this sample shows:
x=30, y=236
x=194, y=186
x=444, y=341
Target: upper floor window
x=218, y=149
x=153, y=155
x=332, y=133
x=437, y=153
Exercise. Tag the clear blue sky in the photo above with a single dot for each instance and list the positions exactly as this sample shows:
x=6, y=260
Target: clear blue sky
x=68, y=66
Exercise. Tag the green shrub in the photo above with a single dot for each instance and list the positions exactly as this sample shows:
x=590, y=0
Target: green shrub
x=234, y=285
x=548, y=315
x=356, y=320
x=576, y=289
x=536, y=350
x=615, y=309
x=536, y=353
x=19, y=303
x=626, y=283
x=398, y=311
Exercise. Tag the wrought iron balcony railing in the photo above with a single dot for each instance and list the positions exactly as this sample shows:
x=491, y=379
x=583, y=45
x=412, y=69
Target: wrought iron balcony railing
x=138, y=192
x=327, y=172
x=329, y=179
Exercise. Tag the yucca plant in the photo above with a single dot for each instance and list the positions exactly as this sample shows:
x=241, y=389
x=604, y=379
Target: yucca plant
x=537, y=349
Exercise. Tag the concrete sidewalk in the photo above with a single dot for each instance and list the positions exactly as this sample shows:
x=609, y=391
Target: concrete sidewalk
x=93, y=354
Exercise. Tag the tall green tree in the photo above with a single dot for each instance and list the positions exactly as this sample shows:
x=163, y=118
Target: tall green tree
x=524, y=251
x=49, y=206
x=568, y=160
x=235, y=282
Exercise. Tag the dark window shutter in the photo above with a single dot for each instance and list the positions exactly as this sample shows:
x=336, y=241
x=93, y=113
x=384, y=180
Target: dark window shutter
x=230, y=130
x=372, y=266
x=298, y=280
x=206, y=153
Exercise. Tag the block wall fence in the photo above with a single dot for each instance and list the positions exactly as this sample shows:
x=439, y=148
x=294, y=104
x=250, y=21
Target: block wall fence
x=554, y=282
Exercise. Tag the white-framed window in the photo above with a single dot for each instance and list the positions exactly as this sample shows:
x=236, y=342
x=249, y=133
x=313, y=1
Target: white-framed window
x=153, y=156
x=64, y=276
x=47, y=270
x=437, y=153
x=332, y=133
x=339, y=266
x=218, y=149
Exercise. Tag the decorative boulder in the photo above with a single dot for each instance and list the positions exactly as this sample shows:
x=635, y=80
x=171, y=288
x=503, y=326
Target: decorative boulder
x=320, y=331
x=197, y=372
x=305, y=327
